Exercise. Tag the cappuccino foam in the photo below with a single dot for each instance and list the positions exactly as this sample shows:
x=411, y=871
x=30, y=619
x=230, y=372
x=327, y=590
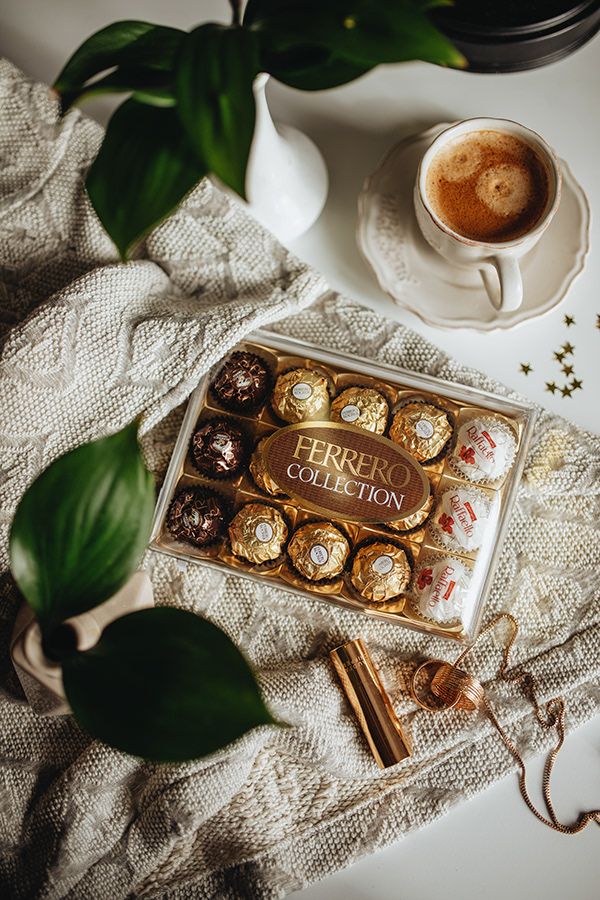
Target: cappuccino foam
x=488, y=186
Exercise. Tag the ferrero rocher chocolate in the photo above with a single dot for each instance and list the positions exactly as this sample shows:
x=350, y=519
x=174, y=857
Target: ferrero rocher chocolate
x=461, y=518
x=258, y=533
x=218, y=449
x=440, y=589
x=414, y=521
x=300, y=395
x=380, y=571
x=197, y=516
x=318, y=551
x=243, y=381
x=259, y=473
x=345, y=482
x=422, y=429
x=361, y=406
x=485, y=449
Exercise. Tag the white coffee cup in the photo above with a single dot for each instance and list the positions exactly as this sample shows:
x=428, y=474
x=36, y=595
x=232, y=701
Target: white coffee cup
x=505, y=288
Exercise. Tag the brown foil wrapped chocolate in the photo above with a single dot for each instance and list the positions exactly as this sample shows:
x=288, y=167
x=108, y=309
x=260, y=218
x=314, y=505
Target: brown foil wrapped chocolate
x=301, y=395
x=261, y=477
x=258, y=533
x=361, y=406
x=318, y=551
x=197, y=516
x=422, y=429
x=243, y=382
x=218, y=449
x=380, y=571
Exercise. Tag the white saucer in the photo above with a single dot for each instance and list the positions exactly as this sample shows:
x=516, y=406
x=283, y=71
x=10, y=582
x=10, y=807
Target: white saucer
x=441, y=294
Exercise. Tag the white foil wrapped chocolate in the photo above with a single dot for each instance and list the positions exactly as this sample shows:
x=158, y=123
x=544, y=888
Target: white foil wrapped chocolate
x=484, y=450
x=440, y=589
x=460, y=518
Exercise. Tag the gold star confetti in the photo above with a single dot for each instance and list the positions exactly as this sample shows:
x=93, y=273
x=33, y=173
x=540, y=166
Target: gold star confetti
x=526, y=368
x=566, y=391
x=576, y=384
x=551, y=386
x=568, y=370
x=567, y=349
x=559, y=356
x=569, y=320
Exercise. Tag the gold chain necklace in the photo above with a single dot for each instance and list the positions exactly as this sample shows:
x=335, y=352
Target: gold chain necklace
x=450, y=687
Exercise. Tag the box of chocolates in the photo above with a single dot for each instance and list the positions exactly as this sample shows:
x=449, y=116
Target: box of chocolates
x=347, y=481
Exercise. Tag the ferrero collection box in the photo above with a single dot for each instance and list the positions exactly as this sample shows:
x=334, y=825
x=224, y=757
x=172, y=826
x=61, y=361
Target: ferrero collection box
x=346, y=481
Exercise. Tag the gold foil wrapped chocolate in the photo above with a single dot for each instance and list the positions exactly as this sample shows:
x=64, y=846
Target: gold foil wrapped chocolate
x=258, y=533
x=422, y=429
x=259, y=472
x=380, y=571
x=301, y=395
x=361, y=406
x=414, y=521
x=318, y=551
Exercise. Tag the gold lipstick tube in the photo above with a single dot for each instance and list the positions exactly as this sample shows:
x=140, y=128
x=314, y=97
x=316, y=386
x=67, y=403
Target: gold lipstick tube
x=370, y=702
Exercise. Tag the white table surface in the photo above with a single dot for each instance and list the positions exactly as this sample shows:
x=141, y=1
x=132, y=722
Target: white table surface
x=491, y=846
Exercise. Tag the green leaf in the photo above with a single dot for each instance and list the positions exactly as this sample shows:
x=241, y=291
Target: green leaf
x=165, y=685
x=147, y=85
x=139, y=44
x=310, y=68
x=214, y=79
x=144, y=169
x=81, y=527
x=363, y=32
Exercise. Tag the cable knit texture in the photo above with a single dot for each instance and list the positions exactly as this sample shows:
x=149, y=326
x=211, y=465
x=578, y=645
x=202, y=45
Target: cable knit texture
x=88, y=344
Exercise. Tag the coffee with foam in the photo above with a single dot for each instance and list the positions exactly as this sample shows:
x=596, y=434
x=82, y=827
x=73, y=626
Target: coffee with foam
x=488, y=186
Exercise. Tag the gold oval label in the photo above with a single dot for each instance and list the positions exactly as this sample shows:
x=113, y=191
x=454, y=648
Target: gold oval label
x=341, y=471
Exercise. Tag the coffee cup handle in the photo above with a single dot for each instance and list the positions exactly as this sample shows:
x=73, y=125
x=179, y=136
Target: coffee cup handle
x=505, y=289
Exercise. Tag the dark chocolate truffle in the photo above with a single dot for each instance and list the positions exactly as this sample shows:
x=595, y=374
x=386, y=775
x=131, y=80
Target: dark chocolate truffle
x=218, y=449
x=243, y=382
x=197, y=516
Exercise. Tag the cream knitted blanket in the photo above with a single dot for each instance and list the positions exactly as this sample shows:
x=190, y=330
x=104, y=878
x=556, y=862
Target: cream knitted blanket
x=88, y=345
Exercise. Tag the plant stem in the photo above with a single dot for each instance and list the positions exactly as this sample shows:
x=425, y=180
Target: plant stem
x=236, y=11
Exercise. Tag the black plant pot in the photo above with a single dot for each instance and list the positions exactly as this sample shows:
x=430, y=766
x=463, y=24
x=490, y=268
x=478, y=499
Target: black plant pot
x=514, y=35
